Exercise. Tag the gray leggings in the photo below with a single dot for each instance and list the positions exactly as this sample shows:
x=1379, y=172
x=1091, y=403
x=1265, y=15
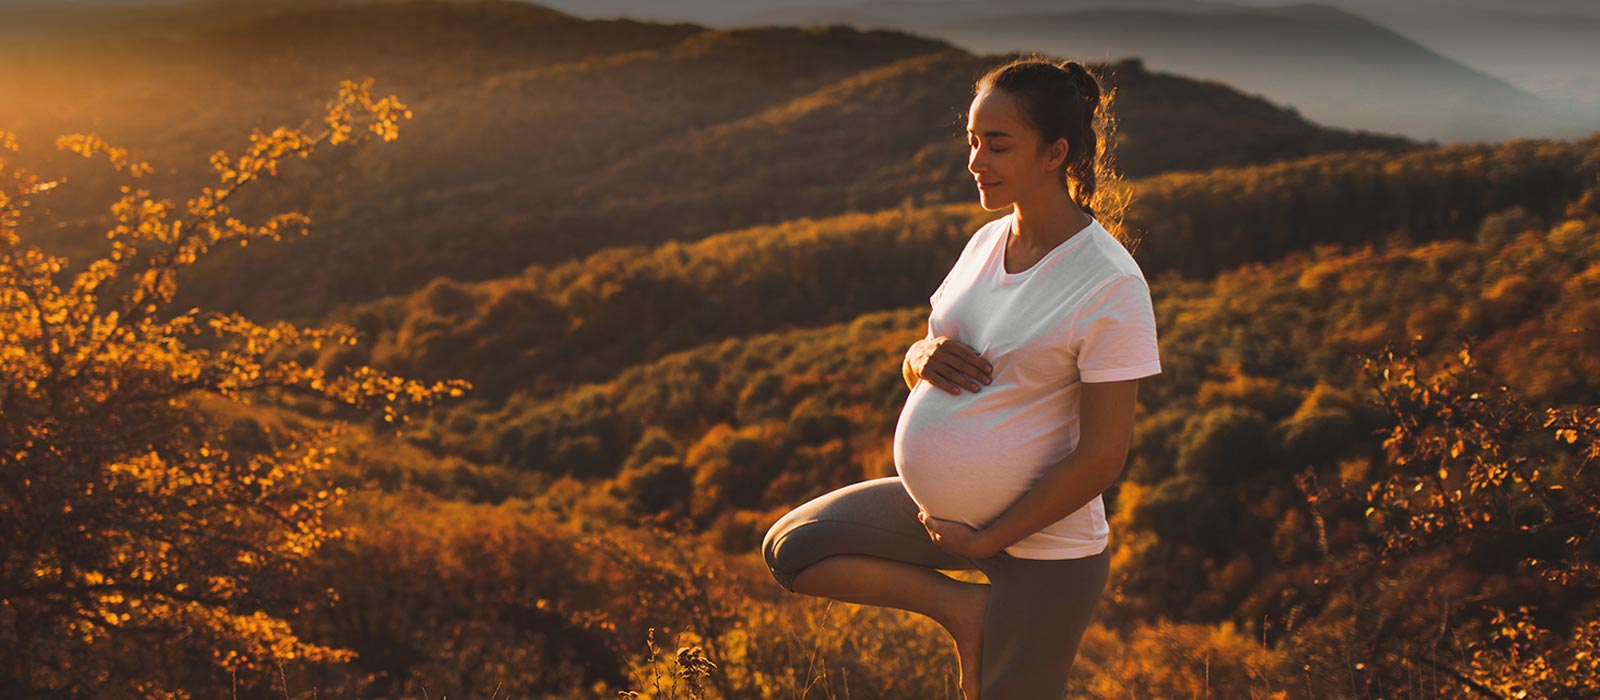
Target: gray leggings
x=1038, y=608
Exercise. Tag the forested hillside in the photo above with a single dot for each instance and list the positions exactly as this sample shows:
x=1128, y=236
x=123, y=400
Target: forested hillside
x=589, y=319
x=1263, y=348
x=1260, y=389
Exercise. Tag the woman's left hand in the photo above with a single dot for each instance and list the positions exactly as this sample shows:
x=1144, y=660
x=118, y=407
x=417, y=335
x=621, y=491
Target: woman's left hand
x=956, y=537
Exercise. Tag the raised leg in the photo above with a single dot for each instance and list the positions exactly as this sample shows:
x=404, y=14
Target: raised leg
x=870, y=580
x=957, y=606
x=863, y=544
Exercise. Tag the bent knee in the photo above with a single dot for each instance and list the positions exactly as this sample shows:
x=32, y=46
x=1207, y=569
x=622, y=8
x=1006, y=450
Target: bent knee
x=769, y=543
x=792, y=545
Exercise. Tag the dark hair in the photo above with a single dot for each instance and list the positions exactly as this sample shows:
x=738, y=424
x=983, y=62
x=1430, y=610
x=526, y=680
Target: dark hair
x=1062, y=100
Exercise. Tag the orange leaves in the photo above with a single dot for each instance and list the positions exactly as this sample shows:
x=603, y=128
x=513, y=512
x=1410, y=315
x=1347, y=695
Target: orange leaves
x=207, y=204
x=106, y=440
x=222, y=163
x=88, y=144
x=1526, y=660
x=385, y=112
x=1470, y=465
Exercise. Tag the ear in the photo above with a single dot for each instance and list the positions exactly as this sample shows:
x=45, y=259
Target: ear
x=1057, y=153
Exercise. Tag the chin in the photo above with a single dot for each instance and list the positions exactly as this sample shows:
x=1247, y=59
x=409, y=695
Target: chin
x=992, y=203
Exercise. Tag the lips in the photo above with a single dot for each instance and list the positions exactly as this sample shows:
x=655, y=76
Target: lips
x=987, y=185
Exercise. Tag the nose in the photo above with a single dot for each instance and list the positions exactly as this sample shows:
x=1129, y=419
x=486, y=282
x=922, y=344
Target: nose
x=975, y=163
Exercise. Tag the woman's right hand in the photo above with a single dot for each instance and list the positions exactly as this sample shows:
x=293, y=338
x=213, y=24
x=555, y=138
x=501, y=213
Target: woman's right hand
x=949, y=364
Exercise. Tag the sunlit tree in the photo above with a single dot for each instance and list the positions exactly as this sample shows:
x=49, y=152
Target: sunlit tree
x=135, y=538
x=1474, y=485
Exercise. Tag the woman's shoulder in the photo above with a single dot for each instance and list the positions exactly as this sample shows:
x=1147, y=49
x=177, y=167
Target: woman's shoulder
x=1108, y=256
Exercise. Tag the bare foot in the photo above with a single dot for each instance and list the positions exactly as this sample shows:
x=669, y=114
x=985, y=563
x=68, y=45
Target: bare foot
x=965, y=625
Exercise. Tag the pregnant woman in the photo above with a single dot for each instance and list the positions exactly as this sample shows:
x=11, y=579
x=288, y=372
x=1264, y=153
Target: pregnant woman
x=1020, y=412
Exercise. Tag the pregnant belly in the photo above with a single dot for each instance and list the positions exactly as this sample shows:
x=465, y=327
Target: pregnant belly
x=968, y=457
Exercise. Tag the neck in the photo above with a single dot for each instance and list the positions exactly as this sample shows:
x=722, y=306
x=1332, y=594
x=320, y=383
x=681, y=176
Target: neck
x=1048, y=219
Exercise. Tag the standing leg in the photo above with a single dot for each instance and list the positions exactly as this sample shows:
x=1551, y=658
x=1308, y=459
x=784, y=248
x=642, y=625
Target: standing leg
x=1038, y=611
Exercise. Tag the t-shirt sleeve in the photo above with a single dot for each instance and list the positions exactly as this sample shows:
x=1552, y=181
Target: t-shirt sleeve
x=1116, y=331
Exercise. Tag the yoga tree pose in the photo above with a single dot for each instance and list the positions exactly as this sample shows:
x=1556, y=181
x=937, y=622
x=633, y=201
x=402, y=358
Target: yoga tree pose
x=1020, y=412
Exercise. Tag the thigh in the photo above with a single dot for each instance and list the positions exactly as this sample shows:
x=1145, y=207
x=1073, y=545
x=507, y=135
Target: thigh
x=1038, y=611
x=874, y=517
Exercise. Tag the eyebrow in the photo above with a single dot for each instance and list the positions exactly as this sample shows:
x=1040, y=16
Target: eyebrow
x=991, y=134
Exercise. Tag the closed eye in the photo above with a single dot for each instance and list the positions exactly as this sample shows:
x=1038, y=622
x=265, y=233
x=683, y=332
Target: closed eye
x=992, y=148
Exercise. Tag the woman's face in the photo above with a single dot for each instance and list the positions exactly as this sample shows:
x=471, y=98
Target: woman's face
x=1003, y=152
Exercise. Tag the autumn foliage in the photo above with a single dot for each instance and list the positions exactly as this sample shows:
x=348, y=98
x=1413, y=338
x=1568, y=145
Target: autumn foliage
x=1473, y=479
x=127, y=524
x=1306, y=512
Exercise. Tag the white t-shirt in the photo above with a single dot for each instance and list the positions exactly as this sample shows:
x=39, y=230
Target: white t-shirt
x=1081, y=314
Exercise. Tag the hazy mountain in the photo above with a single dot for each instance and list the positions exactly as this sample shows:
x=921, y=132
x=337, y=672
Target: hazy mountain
x=1549, y=48
x=934, y=12
x=539, y=136
x=1336, y=67
x=1448, y=70
x=40, y=19
x=732, y=12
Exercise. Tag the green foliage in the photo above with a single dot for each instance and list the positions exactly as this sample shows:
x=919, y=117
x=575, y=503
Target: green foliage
x=1223, y=445
x=655, y=443
x=660, y=486
x=1188, y=511
x=1316, y=437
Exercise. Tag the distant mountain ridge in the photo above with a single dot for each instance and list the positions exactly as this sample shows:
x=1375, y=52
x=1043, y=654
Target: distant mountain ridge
x=540, y=137
x=1335, y=67
x=1548, y=48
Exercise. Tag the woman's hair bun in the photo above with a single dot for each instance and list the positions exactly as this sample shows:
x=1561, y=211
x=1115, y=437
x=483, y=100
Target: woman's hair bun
x=1088, y=87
